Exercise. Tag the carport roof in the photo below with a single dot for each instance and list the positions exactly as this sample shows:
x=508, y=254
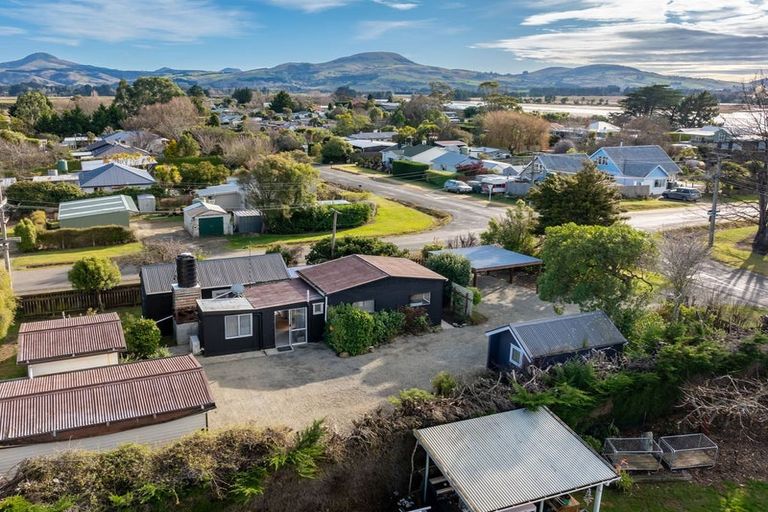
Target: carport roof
x=485, y=258
x=96, y=206
x=513, y=458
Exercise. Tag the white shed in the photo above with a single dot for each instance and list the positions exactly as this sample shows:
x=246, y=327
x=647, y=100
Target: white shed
x=206, y=219
x=147, y=203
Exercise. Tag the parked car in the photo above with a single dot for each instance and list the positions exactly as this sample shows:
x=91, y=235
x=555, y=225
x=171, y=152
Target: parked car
x=457, y=186
x=476, y=185
x=682, y=194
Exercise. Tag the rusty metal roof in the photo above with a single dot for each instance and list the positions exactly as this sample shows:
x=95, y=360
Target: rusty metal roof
x=65, y=338
x=356, y=270
x=280, y=293
x=217, y=273
x=75, y=400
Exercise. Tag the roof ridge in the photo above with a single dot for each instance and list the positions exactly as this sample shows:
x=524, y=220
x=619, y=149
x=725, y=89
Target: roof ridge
x=363, y=257
x=555, y=318
x=113, y=317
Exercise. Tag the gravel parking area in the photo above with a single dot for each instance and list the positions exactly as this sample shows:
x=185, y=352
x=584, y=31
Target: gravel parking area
x=292, y=389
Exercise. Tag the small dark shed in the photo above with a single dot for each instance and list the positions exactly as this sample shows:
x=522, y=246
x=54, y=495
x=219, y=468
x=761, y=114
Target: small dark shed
x=551, y=340
x=248, y=221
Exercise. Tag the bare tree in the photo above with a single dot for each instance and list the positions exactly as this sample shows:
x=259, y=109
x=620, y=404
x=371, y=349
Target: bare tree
x=515, y=131
x=681, y=255
x=212, y=138
x=170, y=119
x=727, y=399
x=22, y=156
x=245, y=150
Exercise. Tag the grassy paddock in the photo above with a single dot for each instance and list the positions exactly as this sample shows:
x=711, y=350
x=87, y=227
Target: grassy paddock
x=635, y=205
x=392, y=218
x=69, y=256
x=733, y=247
x=688, y=497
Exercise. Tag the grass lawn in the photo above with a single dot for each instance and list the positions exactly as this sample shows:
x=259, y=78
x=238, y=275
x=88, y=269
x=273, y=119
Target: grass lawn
x=392, y=218
x=8, y=367
x=69, y=256
x=733, y=247
x=635, y=205
x=688, y=497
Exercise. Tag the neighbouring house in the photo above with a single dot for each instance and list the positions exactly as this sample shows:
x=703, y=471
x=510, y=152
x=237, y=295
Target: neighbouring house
x=443, y=160
x=215, y=277
x=103, y=152
x=370, y=146
x=710, y=135
x=642, y=167
x=207, y=219
x=97, y=211
x=68, y=344
x=451, y=145
x=148, y=402
x=515, y=461
x=402, y=153
x=292, y=311
x=544, y=164
x=602, y=129
x=149, y=141
x=488, y=152
x=503, y=168
x=373, y=136
x=76, y=141
x=229, y=195
x=551, y=340
x=112, y=177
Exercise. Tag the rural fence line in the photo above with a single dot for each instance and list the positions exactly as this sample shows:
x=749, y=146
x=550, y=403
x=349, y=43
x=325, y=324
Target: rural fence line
x=70, y=301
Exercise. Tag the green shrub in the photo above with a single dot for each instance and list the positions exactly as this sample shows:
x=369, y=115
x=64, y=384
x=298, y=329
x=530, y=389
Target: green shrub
x=477, y=295
x=416, y=320
x=320, y=251
x=440, y=177
x=435, y=245
x=74, y=238
x=94, y=274
x=444, y=384
x=349, y=329
x=411, y=395
x=320, y=218
x=454, y=267
x=43, y=192
x=27, y=232
x=142, y=337
x=290, y=254
x=408, y=170
x=215, y=160
x=387, y=325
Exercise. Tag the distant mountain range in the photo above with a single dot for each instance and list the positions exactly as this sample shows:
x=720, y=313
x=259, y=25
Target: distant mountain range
x=373, y=71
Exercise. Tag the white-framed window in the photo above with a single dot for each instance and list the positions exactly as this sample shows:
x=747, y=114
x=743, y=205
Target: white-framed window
x=366, y=305
x=420, y=299
x=238, y=326
x=601, y=160
x=318, y=308
x=659, y=183
x=515, y=355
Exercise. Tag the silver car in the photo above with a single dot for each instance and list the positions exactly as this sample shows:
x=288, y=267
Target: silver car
x=459, y=187
x=682, y=194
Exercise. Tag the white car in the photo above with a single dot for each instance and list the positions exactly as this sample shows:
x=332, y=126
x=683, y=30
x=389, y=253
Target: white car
x=457, y=186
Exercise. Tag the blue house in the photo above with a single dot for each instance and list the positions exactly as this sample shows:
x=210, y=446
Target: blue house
x=637, y=166
x=552, y=340
x=544, y=164
x=114, y=176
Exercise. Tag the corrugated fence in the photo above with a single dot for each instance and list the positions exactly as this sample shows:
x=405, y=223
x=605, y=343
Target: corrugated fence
x=47, y=304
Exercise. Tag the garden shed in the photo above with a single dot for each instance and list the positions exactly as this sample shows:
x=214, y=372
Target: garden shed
x=248, y=221
x=99, y=211
x=519, y=461
x=146, y=202
x=206, y=219
x=492, y=258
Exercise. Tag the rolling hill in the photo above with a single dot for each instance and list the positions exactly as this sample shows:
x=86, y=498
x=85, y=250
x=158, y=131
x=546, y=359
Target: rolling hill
x=373, y=71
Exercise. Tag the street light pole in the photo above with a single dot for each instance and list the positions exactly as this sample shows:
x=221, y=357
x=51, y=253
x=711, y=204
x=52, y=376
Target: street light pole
x=713, y=211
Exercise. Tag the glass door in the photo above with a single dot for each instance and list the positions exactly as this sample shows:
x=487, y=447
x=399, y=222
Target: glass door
x=298, y=325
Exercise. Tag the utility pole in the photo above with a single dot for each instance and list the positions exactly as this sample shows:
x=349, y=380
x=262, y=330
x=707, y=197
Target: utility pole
x=713, y=211
x=333, y=232
x=6, y=248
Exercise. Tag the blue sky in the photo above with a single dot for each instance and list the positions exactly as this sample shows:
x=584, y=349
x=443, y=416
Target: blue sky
x=690, y=37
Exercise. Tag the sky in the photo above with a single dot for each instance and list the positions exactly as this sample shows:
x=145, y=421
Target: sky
x=708, y=38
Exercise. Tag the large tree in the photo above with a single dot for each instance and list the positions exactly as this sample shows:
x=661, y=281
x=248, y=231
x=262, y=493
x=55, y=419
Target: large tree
x=30, y=107
x=696, y=110
x=281, y=102
x=94, y=274
x=515, y=131
x=243, y=95
x=514, y=230
x=596, y=267
x=169, y=119
x=278, y=184
x=587, y=198
x=650, y=100
x=146, y=90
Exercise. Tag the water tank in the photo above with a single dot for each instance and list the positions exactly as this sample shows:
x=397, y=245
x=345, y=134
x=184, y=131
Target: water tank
x=186, y=270
x=62, y=166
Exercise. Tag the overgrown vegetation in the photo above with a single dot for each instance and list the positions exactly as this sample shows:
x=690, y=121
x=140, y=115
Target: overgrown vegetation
x=351, y=331
x=320, y=251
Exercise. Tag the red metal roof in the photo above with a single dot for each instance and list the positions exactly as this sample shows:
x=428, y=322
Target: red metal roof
x=70, y=337
x=84, y=398
x=356, y=270
x=280, y=293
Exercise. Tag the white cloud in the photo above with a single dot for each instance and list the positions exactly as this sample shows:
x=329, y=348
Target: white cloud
x=175, y=21
x=369, y=30
x=10, y=31
x=309, y=5
x=400, y=6
x=693, y=37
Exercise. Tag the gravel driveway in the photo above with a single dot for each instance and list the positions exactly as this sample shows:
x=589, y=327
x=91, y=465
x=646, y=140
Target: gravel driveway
x=292, y=389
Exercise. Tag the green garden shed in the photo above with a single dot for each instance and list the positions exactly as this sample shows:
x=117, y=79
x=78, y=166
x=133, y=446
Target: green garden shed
x=99, y=211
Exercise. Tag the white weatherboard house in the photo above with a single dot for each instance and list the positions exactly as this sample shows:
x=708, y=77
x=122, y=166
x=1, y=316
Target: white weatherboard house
x=68, y=344
x=632, y=166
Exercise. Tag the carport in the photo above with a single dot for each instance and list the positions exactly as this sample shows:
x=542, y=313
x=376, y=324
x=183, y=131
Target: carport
x=515, y=461
x=491, y=258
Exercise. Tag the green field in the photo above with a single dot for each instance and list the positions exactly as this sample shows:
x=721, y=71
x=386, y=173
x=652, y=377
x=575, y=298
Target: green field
x=392, y=218
x=69, y=256
x=733, y=247
x=688, y=497
x=635, y=205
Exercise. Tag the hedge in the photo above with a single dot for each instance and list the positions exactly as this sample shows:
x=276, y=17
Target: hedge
x=440, y=177
x=75, y=238
x=408, y=170
x=215, y=160
x=320, y=218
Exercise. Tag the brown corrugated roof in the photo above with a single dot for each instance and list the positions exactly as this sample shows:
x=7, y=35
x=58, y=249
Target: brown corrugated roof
x=356, y=270
x=280, y=293
x=110, y=394
x=64, y=338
